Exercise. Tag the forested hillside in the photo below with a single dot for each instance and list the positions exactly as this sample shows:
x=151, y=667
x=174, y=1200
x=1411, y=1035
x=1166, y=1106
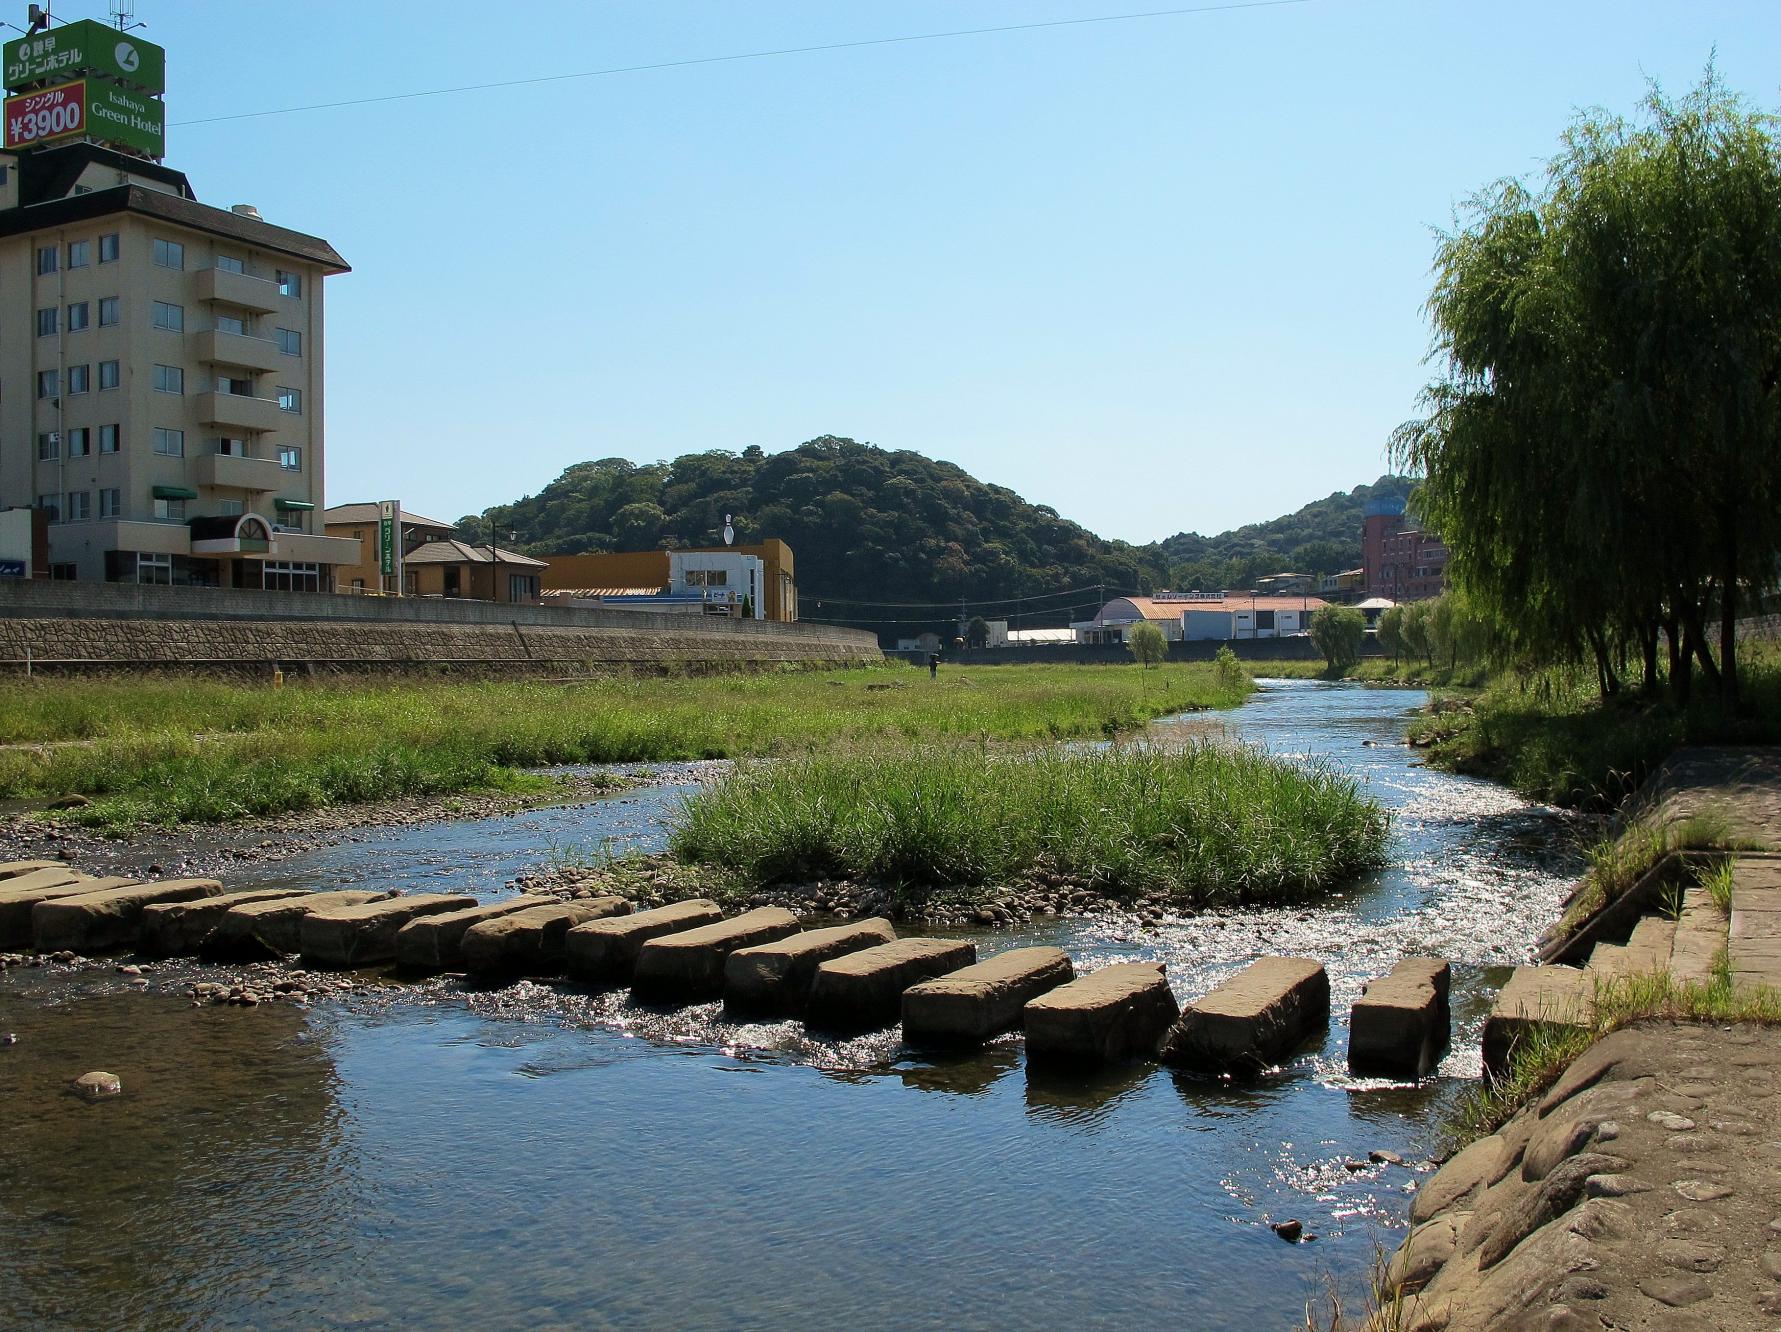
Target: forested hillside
x=870, y=526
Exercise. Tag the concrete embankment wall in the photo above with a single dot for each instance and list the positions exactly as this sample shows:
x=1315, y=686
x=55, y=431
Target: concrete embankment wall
x=75, y=626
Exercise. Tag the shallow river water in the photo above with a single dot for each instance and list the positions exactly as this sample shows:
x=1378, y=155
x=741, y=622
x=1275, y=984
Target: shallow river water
x=426, y=1156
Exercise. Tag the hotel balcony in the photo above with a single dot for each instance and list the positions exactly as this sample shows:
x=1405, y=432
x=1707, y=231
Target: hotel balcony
x=238, y=412
x=224, y=469
x=250, y=293
x=216, y=347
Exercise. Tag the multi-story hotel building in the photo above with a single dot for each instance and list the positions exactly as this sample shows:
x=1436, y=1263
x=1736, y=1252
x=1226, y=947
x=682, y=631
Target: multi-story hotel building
x=160, y=376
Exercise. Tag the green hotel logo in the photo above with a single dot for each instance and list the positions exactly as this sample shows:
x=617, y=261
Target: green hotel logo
x=87, y=47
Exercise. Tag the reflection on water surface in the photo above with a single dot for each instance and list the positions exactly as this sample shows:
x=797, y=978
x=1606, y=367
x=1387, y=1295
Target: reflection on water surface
x=539, y=1156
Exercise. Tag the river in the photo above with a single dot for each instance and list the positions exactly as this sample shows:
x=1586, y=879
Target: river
x=539, y=1157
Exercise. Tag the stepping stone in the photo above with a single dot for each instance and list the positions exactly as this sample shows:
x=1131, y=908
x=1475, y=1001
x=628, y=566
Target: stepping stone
x=274, y=928
x=1558, y=996
x=1608, y=961
x=1252, y=1020
x=357, y=936
x=1648, y=949
x=171, y=928
x=1401, y=1023
x=973, y=1004
x=774, y=978
x=690, y=964
x=19, y=894
x=108, y=918
x=435, y=943
x=1118, y=1013
x=864, y=990
x=12, y=869
x=533, y=942
x=1701, y=931
x=604, y=952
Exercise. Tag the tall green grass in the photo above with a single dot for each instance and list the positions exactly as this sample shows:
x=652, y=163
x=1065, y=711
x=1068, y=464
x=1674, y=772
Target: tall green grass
x=196, y=750
x=1207, y=825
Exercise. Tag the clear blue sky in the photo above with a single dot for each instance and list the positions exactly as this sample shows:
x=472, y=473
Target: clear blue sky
x=1161, y=275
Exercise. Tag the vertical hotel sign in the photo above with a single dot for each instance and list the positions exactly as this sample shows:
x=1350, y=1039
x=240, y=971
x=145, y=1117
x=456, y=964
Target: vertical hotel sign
x=389, y=542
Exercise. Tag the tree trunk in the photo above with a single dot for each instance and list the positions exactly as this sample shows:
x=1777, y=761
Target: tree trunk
x=1695, y=639
x=1728, y=629
x=1648, y=653
x=1606, y=681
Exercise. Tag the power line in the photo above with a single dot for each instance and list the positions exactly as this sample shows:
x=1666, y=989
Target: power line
x=747, y=55
x=975, y=601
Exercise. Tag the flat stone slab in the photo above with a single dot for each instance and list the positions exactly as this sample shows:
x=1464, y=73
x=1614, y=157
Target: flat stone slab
x=1562, y=996
x=1253, y=1019
x=12, y=869
x=690, y=963
x=171, y=928
x=974, y=1003
x=358, y=936
x=774, y=978
x=604, y=952
x=864, y=990
x=435, y=943
x=1700, y=934
x=1402, y=1023
x=19, y=894
x=108, y=918
x=533, y=941
x=274, y=928
x=1118, y=1013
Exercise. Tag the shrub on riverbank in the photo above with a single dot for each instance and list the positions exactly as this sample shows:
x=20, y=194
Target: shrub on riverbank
x=1210, y=826
x=169, y=750
x=1552, y=738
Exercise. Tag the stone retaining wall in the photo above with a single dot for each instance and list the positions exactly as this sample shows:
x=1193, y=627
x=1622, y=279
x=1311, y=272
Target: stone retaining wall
x=73, y=643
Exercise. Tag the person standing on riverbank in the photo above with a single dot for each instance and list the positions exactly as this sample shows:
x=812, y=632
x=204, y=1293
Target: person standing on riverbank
x=933, y=665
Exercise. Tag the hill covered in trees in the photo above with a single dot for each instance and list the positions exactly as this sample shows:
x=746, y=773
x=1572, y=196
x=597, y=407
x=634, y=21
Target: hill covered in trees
x=871, y=526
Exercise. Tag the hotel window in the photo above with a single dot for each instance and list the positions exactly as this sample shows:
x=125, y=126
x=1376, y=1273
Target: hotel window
x=108, y=248
x=80, y=441
x=232, y=448
x=108, y=374
x=290, y=342
x=157, y=568
x=170, y=443
x=230, y=324
x=107, y=311
x=172, y=318
x=49, y=384
x=231, y=508
x=46, y=323
x=52, y=505
x=110, y=502
x=80, y=506
x=230, y=264
x=77, y=316
x=240, y=388
x=290, y=399
x=108, y=439
x=80, y=253
x=170, y=511
x=290, y=284
x=170, y=254
x=170, y=379
x=77, y=378
x=49, y=446
x=46, y=259
x=290, y=457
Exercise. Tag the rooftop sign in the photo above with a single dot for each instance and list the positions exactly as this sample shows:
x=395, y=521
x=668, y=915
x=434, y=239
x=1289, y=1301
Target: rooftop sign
x=88, y=109
x=86, y=47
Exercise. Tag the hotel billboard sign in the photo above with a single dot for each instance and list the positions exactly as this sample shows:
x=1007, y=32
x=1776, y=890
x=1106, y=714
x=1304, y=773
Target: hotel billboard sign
x=91, y=108
x=86, y=47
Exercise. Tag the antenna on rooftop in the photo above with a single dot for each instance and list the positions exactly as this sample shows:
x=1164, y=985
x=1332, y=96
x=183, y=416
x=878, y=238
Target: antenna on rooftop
x=123, y=14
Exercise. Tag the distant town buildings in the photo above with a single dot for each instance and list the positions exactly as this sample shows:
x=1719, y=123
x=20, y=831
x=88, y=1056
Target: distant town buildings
x=161, y=358
x=756, y=580
x=1402, y=562
x=1202, y=617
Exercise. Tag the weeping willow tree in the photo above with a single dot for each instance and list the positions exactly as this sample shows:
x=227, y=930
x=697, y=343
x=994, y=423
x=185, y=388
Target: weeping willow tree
x=1601, y=452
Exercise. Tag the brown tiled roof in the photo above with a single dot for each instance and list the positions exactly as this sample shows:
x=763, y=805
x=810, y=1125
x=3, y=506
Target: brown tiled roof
x=370, y=513
x=462, y=552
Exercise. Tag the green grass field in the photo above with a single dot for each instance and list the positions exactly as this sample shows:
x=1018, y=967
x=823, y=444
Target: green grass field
x=1210, y=826
x=169, y=751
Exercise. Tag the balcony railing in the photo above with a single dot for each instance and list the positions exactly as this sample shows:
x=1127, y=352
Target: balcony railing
x=240, y=412
x=217, y=347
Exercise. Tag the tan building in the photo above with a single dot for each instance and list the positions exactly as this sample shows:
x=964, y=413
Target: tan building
x=628, y=571
x=162, y=374
x=359, y=522
x=455, y=568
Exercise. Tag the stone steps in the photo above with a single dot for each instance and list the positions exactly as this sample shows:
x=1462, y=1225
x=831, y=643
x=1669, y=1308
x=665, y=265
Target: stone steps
x=1555, y=996
x=1700, y=936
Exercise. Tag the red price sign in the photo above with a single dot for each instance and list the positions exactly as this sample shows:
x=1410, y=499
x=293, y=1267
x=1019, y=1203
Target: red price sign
x=53, y=113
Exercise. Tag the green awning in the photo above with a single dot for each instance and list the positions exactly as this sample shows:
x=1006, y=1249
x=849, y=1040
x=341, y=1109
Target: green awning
x=300, y=506
x=174, y=492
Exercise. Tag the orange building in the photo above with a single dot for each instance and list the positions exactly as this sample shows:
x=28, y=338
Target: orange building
x=629, y=571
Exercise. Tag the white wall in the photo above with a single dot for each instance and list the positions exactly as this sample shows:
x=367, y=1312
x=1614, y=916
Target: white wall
x=742, y=576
